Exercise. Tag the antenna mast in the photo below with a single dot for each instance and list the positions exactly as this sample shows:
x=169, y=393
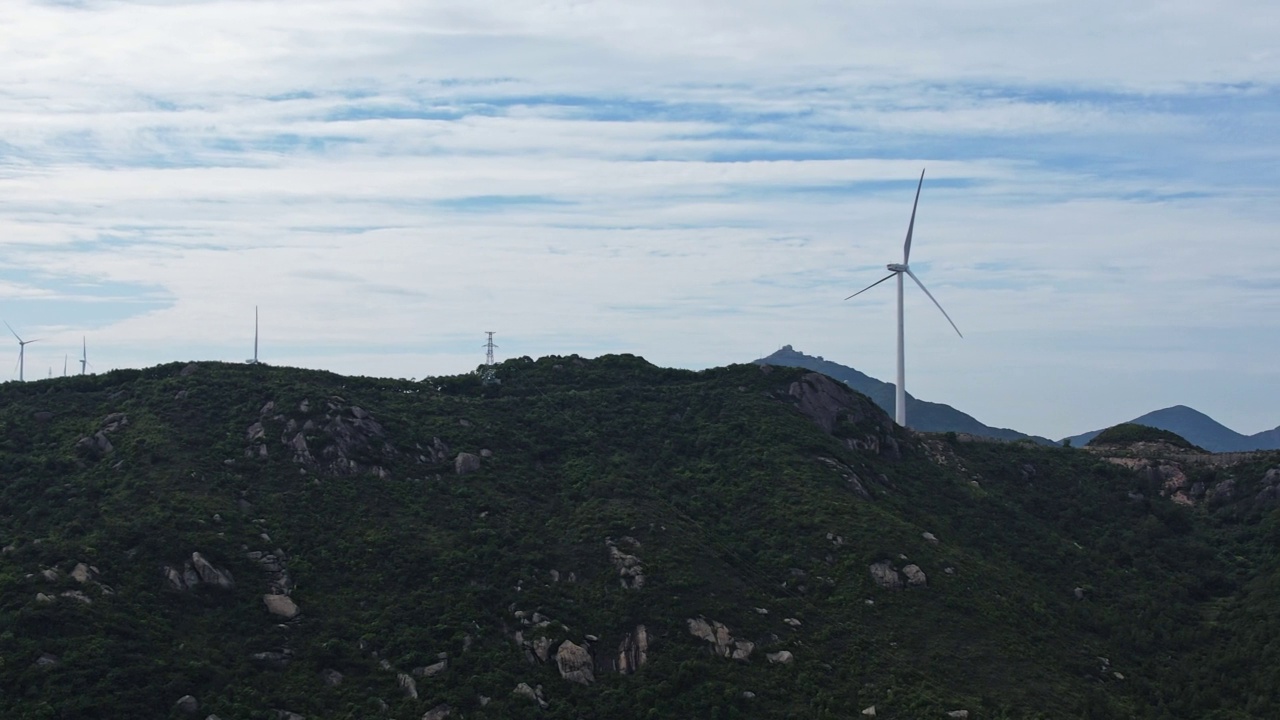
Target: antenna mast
x=487, y=375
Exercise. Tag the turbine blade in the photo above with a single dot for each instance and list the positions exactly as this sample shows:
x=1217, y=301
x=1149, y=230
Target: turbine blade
x=15, y=332
x=886, y=277
x=906, y=247
x=935, y=302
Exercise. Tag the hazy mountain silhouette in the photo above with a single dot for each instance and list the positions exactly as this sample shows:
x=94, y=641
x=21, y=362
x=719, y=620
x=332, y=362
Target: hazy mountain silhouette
x=921, y=414
x=1199, y=429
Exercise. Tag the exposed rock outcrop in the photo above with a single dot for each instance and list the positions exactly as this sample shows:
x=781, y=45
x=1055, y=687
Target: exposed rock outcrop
x=407, y=683
x=279, y=581
x=630, y=568
x=113, y=422
x=840, y=411
x=211, y=575
x=884, y=575
x=542, y=648
x=96, y=445
x=82, y=573
x=1223, y=492
x=1269, y=494
x=349, y=439
x=439, y=712
x=432, y=670
x=1173, y=481
x=915, y=576
x=722, y=640
x=523, y=690
x=574, y=663
x=197, y=572
x=633, y=652
x=281, y=605
x=187, y=705
x=850, y=477
x=275, y=659
x=466, y=463
x=782, y=657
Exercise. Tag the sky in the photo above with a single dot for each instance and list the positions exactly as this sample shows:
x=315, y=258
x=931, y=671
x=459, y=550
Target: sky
x=696, y=182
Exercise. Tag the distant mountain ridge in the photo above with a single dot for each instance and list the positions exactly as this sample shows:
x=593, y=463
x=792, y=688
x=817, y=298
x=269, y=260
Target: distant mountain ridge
x=1199, y=429
x=921, y=414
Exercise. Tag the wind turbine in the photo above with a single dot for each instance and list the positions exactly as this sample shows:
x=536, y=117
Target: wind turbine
x=896, y=269
x=84, y=354
x=254, y=360
x=22, y=350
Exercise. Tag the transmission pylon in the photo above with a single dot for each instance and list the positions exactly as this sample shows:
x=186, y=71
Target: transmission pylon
x=488, y=376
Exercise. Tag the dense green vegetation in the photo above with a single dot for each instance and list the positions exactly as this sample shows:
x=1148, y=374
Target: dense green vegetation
x=1059, y=585
x=1126, y=433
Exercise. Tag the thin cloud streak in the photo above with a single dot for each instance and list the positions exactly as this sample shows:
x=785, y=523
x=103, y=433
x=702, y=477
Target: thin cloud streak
x=607, y=177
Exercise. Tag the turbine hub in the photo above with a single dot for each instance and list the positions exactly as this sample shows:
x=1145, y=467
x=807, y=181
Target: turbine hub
x=895, y=267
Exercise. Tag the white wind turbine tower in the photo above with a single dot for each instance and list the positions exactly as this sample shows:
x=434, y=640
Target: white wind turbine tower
x=254, y=359
x=900, y=404
x=84, y=354
x=22, y=351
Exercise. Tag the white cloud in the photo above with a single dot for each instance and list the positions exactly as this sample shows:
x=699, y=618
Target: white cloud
x=388, y=179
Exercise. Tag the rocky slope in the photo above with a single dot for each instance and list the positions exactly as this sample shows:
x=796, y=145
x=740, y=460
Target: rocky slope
x=601, y=538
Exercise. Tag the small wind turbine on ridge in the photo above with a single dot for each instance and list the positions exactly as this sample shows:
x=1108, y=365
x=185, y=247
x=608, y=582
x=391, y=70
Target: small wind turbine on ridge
x=896, y=269
x=84, y=354
x=254, y=360
x=22, y=351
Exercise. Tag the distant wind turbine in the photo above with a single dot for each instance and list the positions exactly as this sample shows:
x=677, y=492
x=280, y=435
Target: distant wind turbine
x=22, y=350
x=254, y=361
x=84, y=354
x=900, y=405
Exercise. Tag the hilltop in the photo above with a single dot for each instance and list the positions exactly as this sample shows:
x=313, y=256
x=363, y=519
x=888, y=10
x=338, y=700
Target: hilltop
x=921, y=414
x=602, y=538
x=1197, y=428
x=1126, y=434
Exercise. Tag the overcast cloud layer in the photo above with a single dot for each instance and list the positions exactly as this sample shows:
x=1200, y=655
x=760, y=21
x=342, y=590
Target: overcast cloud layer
x=697, y=182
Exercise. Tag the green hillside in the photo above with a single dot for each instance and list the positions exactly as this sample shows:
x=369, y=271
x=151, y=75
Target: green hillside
x=1127, y=433
x=600, y=538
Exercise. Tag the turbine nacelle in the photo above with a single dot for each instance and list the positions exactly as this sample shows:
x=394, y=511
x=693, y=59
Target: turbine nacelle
x=897, y=267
